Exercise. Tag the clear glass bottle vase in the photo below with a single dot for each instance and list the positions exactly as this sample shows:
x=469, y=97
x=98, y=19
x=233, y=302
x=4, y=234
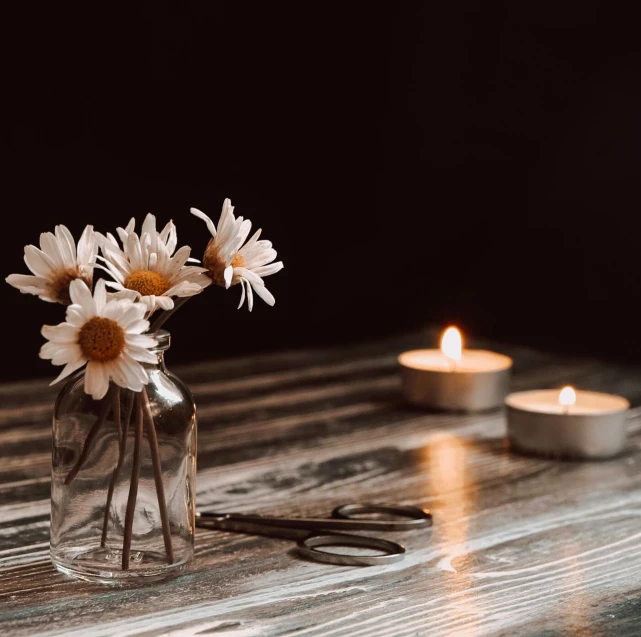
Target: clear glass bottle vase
x=123, y=473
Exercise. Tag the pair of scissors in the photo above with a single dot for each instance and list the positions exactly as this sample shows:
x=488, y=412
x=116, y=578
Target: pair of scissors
x=312, y=534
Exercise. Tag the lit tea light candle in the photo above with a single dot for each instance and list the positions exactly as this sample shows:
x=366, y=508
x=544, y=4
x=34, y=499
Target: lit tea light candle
x=453, y=378
x=567, y=398
x=568, y=423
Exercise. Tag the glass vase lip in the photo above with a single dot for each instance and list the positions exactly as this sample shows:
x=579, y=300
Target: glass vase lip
x=163, y=340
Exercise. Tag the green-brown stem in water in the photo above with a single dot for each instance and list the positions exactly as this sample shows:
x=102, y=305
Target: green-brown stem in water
x=124, y=431
x=155, y=460
x=133, y=487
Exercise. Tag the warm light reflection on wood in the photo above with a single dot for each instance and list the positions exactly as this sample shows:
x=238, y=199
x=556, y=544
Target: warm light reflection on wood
x=576, y=612
x=451, y=482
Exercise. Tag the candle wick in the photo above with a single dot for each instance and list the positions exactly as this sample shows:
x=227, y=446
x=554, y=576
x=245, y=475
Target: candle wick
x=566, y=409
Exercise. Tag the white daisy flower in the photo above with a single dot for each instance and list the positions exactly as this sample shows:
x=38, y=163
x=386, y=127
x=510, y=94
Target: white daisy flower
x=107, y=335
x=144, y=268
x=56, y=264
x=228, y=263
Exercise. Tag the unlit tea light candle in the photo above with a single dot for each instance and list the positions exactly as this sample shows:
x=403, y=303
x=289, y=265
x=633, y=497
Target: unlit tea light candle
x=453, y=378
x=567, y=423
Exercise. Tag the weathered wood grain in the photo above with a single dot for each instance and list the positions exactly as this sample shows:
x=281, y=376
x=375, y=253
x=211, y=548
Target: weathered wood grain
x=520, y=546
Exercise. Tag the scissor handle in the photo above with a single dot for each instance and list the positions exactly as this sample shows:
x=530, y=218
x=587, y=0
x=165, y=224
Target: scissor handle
x=310, y=548
x=418, y=518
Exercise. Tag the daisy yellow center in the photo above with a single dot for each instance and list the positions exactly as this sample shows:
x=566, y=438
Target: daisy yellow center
x=58, y=286
x=238, y=262
x=101, y=339
x=147, y=283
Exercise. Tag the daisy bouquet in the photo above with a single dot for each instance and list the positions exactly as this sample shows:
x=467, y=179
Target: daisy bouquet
x=119, y=290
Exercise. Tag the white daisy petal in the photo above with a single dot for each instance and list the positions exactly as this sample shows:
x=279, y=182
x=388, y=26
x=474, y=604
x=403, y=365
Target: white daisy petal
x=164, y=302
x=178, y=260
x=266, y=270
x=135, y=372
x=137, y=327
x=38, y=262
x=125, y=294
x=242, y=294
x=114, y=272
x=190, y=273
x=250, y=276
x=62, y=333
x=67, y=244
x=250, y=296
x=100, y=296
x=163, y=259
x=164, y=234
x=201, y=215
x=116, y=260
x=87, y=246
x=77, y=315
x=188, y=288
x=68, y=369
x=116, y=374
x=122, y=235
x=49, y=350
x=134, y=252
x=67, y=353
x=141, y=340
x=112, y=239
x=50, y=246
x=28, y=284
x=149, y=226
x=265, y=294
x=142, y=355
x=132, y=315
x=228, y=275
x=148, y=246
x=171, y=240
x=115, y=309
x=243, y=232
x=259, y=257
x=96, y=380
x=81, y=295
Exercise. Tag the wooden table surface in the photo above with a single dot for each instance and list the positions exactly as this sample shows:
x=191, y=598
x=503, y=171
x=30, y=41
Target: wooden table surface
x=520, y=546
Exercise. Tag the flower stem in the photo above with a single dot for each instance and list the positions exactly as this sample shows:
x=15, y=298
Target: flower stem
x=104, y=410
x=155, y=459
x=124, y=431
x=133, y=488
x=166, y=315
x=115, y=402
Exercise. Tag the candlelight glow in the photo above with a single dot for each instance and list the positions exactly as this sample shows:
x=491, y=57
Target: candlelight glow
x=567, y=396
x=452, y=344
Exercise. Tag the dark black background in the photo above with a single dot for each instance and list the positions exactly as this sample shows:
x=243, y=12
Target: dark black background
x=413, y=163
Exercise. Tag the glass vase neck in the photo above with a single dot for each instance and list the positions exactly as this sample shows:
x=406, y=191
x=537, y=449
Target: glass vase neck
x=163, y=341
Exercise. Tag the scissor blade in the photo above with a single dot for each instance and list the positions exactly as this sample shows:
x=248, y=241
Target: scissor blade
x=310, y=524
x=242, y=525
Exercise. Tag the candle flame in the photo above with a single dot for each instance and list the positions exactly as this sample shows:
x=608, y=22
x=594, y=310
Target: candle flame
x=452, y=344
x=567, y=396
